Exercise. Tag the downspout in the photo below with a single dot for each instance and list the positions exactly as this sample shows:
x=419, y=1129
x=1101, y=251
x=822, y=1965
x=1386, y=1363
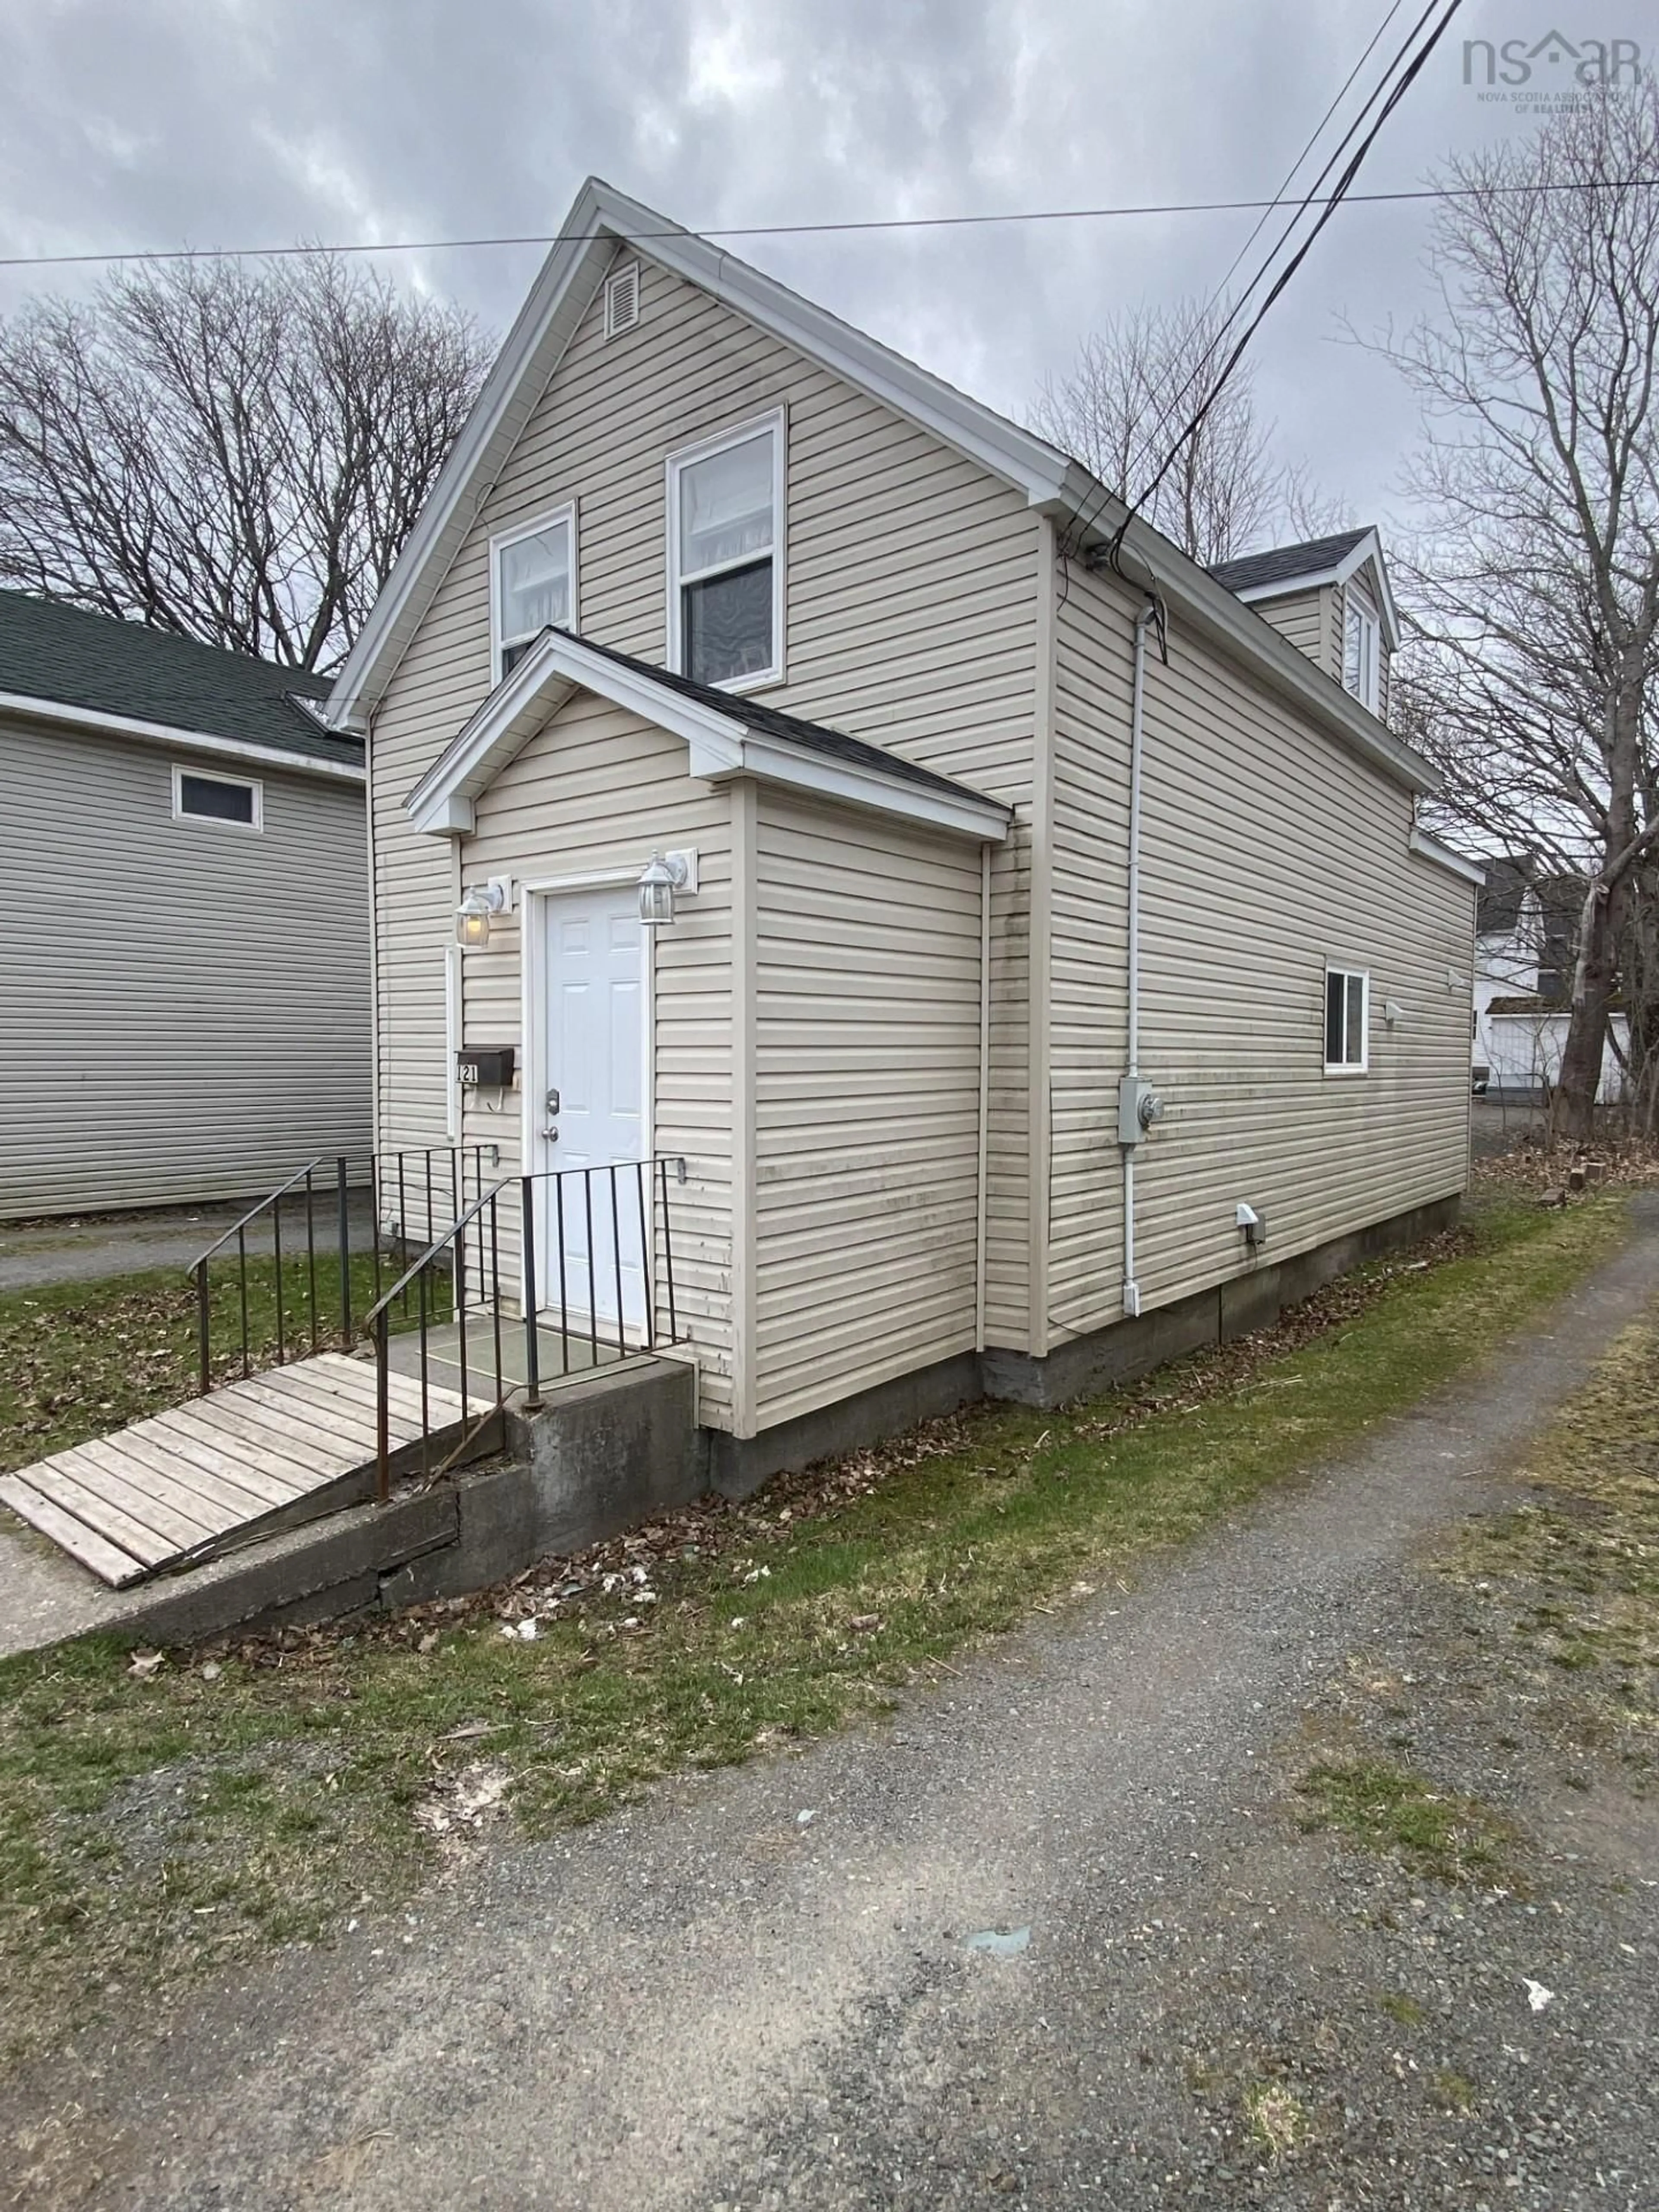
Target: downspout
x=984, y=1091
x=1130, y=1126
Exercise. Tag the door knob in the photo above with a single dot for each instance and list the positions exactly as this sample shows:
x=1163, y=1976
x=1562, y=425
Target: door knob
x=551, y=1135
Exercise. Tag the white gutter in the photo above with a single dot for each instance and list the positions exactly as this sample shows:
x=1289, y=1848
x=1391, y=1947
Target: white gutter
x=163, y=733
x=1137, y=715
x=1431, y=848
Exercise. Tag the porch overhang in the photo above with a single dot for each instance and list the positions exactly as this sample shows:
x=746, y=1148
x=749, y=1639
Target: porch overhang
x=725, y=738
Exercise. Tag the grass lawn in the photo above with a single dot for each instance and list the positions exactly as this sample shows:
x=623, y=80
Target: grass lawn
x=162, y=1818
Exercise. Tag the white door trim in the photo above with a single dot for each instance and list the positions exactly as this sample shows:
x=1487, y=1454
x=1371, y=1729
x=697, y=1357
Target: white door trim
x=535, y=892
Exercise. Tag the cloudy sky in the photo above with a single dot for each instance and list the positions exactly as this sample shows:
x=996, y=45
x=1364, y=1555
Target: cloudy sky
x=146, y=123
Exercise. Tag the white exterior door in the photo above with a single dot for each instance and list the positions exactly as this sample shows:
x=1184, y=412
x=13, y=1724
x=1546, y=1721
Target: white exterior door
x=594, y=1228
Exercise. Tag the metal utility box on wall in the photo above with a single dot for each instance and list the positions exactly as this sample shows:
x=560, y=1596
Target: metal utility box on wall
x=484, y=1067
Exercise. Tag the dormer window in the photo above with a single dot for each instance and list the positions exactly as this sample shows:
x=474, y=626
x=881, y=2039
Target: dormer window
x=1360, y=653
x=532, y=583
x=725, y=557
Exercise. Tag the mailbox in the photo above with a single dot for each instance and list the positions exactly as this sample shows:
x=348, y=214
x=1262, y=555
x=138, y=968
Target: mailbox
x=484, y=1067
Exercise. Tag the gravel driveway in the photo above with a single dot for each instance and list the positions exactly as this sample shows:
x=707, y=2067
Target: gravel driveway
x=760, y=1989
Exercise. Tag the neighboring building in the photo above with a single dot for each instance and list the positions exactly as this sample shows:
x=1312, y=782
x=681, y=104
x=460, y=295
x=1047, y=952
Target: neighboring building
x=1527, y=925
x=183, y=981
x=711, y=573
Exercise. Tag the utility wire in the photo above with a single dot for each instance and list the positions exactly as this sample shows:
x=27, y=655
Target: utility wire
x=1172, y=403
x=1260, y=222
x=1303, y=250
x=1149, y=443
x=1169, y=411
x=1328, y=209
x=808, y=229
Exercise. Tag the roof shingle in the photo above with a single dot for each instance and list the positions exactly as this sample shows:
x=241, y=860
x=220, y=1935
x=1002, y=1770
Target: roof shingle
x=1283, y=564
x=754, y=715
x=66, y=656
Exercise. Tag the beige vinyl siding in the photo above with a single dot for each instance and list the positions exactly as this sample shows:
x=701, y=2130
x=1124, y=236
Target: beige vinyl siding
x=593, y=790
x=866, y=987
x=185, y=1004
x=1312, y=621
x=1268, y=850
x=910, y=613
x=1094, y=674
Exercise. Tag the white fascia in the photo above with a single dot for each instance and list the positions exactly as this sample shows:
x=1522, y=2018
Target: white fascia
x=720, y=746
x=600, y=220
x=1369, y=548
x=1050, y=483
x=164, y=734
x=1224, y=616
x=1431, y=848
x=854, y=783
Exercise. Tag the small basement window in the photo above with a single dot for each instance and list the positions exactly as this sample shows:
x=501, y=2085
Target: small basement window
x=1348, y=996
x=532, y=583
x=725, y=557
x=237, y=799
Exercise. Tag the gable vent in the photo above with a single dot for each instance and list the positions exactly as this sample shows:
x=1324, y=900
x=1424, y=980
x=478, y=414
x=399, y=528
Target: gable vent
x=622, y=299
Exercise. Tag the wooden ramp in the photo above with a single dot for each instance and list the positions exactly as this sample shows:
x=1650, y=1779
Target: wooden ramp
x=286, y=1446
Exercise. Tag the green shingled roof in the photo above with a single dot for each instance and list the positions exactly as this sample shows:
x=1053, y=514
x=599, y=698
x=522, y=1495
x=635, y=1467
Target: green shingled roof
x=67, y=657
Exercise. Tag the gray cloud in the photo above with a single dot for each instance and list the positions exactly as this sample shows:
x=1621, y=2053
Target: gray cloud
x=136, y=124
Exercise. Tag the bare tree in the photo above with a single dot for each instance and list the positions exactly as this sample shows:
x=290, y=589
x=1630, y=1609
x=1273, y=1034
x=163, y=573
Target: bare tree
x=235, y=454
x=1138, y=382
x=1531, y=680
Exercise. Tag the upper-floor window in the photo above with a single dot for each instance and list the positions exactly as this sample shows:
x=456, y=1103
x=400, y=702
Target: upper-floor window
x=726, y=556
x=532, y=583
x=1361, y=653
x=237, y=799
x=1347, y=994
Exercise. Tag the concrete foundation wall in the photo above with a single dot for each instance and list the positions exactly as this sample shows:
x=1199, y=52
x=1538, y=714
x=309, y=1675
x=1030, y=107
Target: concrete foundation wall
x=609, y=1451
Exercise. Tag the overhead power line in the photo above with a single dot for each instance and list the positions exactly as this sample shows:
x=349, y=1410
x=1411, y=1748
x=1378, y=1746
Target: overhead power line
x=809, y=229
x=1328, y=207
x=1169, y=410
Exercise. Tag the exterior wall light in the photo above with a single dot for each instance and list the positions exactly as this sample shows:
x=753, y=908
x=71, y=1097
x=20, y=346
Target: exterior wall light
x=473, y=914
x=664, y=874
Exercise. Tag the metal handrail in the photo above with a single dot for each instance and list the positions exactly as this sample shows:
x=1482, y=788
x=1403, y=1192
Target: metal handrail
x=387, y=1171
x=649, y=1182
x=378, y=1323
x=270, y=1198
x=383, y=1305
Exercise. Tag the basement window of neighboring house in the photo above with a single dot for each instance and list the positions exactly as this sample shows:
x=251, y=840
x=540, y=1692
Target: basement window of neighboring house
x=532, y=583
x=237, y=799
x=725, y=557
x=1361, y=654
x=1348, y=994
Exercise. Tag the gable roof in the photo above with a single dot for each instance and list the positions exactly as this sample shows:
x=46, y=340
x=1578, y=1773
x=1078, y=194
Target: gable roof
x=1303, y=567
x=1051, y=482
x=726, y=733
x=1286, y=564
x=67, y=664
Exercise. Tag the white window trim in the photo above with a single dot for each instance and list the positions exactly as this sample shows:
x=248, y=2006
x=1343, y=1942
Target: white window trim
x=498, y=544
x=776, y=421
x=180, y=813
x=1362, y=1066
x=1370, y=688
